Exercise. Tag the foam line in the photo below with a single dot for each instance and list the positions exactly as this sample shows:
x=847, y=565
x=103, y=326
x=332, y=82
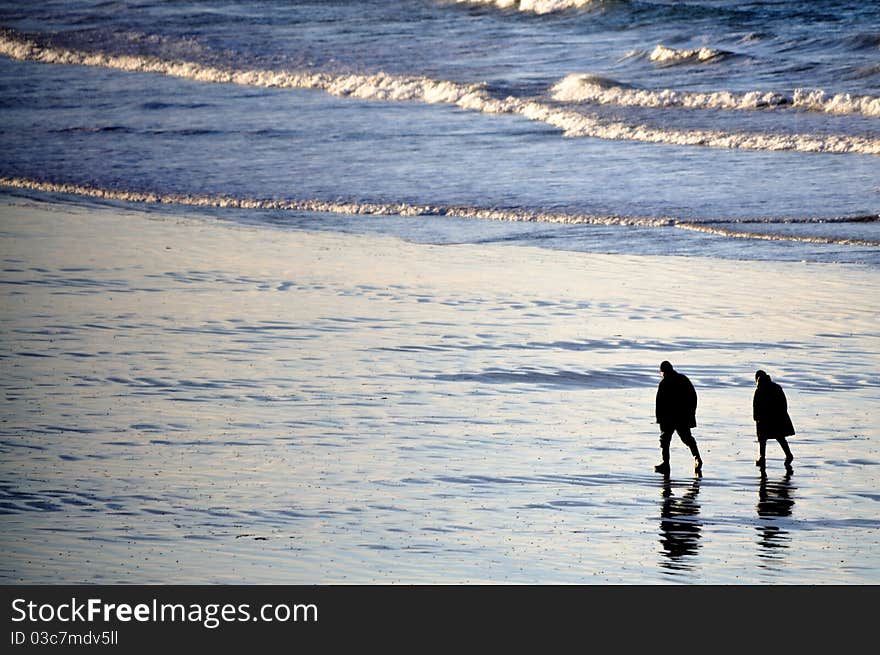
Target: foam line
x=584, y=87
x=407, y=209
x=351, y=208
x=577, y=124
x=742, y=234
x=378, y=86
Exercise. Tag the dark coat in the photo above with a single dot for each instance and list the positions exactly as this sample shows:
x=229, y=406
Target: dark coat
x=676, y=402
x=770, y=410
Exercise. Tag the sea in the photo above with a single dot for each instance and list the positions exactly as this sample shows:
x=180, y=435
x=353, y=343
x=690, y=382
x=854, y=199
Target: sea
x=744, y=130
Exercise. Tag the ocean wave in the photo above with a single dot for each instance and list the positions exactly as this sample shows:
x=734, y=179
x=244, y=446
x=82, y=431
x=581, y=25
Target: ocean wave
x=377, y=86
x=584, y=87
x=470, y=96
x=864, y=41
x=93, y=130
x=532, y=6
x=667, y=56
x=427, y=210
x=864, y=72
x=576, y=124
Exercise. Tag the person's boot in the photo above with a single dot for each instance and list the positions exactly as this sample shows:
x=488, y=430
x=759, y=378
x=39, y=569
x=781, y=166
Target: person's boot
x=698, y=461
x=761, y=461
x=789, y=458
x=663, y=467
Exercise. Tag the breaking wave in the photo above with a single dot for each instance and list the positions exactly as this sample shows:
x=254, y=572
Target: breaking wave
x=379, y=86
x=667, y=56
x=408, y=209
x=585, y=87
x=473, y=97
x=576, y=124
x=532, y=6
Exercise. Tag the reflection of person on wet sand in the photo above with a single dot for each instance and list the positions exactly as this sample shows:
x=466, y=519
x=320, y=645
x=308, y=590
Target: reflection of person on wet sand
x=770, y=411
x=680, y=526
x=774, y=501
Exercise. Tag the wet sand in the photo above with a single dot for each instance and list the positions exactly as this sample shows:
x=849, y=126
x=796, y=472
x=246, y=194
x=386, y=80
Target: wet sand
x=191, y=401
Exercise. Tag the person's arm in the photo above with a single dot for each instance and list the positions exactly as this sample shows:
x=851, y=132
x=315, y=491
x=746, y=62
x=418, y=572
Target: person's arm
x=665, y=400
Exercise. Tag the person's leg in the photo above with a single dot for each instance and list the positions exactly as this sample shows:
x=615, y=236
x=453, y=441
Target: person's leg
x=788, y=456
x=762, y=450
x=665, y=439
x=690, y=442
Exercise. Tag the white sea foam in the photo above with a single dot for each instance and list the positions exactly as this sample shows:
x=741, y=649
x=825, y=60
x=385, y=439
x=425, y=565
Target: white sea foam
x=745, y=234
x=473, y=97
x=351, y=208
x=584, y=87
x=839, y=103
x=576, y=124
x=379, y=86
x=407, y=209
x=532, y=6
x=669, y=56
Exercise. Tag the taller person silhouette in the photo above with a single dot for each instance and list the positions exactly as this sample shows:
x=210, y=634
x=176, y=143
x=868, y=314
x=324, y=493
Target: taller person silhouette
x=676, y=412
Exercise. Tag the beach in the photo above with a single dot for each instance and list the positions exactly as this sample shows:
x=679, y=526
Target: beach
x=193, y=400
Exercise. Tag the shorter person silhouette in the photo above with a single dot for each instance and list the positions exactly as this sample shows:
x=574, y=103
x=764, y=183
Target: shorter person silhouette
x=770, y=411
x=676, y=412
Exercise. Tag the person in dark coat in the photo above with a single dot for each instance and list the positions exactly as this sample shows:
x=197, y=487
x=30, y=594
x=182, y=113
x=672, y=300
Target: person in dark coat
x=770, y=411
x=676, y=412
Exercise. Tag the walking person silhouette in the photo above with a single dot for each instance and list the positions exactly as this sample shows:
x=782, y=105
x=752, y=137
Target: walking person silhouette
x=676, y=412
x=770, y=411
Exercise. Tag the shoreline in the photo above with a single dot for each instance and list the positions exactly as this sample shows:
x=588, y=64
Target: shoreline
x=715, y=226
